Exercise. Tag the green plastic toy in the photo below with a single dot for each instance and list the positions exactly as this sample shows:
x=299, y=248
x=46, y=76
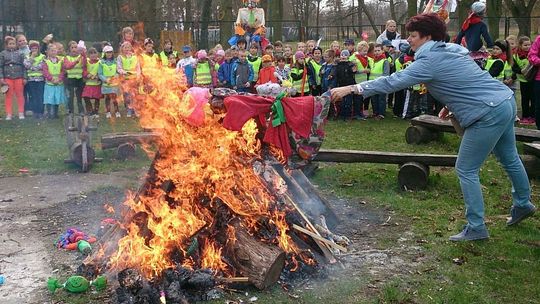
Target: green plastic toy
x=77, y=284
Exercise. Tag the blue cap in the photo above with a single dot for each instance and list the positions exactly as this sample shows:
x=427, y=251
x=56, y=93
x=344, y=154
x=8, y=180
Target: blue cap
x=186, y=48
x=387, y=42
x=345, y=53
x=349, y=41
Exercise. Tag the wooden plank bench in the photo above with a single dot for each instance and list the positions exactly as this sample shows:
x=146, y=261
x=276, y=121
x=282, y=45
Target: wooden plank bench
x=531, y=159
x=413, y=168
x=125, y=142
x=426, y=128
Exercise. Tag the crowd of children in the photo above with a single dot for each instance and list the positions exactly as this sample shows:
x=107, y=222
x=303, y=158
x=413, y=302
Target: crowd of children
x=44, y=76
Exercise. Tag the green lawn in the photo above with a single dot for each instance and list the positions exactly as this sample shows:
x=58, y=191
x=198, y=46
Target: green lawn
x=504, y=269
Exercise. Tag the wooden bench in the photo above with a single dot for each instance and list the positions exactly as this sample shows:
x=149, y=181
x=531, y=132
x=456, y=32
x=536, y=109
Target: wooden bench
x=531, y=159
x=426, y=128
x=125, y=142
x=413, y=168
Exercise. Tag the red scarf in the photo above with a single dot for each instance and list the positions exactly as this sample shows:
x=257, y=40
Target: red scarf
x=407, y=58
x=502, y=57
x=521, y=53
x=471, y=19
x=381, y=57
x=363, y=60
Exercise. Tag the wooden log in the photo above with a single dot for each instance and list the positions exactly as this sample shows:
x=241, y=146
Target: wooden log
x=319, y=238
x=415, y=135
x=82, y=155
x=353, y=156
x=532, y=165
x=317, y=202
x=114, y=140
x=262, y=263
x=435, y=123
x=532, y=148
x=413, y=176
x=125, y=151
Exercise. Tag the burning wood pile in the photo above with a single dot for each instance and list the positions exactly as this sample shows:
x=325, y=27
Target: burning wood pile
x=218, y=207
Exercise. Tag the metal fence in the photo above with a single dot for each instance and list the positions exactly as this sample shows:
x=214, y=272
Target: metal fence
x=217, y=31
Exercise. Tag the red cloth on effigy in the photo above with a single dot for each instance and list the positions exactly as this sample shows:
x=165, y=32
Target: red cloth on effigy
x=298, y=114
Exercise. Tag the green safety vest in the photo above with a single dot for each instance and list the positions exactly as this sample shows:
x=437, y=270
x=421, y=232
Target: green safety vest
x=54, y=70
x=92, y=69
x=165, y=59
x=108, y=71
x=76, y=71
x=361, y=77
x=129, y=65
x=37, y=61
x=377, y=70
x=317, y=67
x=297, y=84
x=203, y=74
x=399, y=65
x=256, y=65
x=521, y=63
x=489, y=63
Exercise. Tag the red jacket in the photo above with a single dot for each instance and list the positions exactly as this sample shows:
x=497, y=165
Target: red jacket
x=267, y=75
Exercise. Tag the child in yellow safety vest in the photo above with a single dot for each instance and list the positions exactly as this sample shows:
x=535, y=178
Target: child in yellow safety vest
x=316, y=61
x=526, y=87
x=74, y=64
x=53, y=72
x=204, y=71
x=36, y=83
x=128, y=67
x=108, y=75
x=380, y=68
x=92, y=87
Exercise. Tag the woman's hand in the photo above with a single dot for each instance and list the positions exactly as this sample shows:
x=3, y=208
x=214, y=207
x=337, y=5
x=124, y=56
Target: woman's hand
x=444, y=114
x=339, y=93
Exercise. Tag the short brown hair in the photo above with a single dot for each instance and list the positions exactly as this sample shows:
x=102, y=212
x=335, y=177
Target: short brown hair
x=427, y=25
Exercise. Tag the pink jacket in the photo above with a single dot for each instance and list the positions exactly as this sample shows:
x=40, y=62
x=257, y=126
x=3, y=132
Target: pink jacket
x=534, y=55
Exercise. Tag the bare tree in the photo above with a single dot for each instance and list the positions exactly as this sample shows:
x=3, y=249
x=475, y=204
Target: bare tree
x=521, y=10
x=494, y=9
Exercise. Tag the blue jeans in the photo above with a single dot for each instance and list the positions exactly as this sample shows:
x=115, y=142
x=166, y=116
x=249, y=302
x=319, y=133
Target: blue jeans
x=493, y=132
x=379, y=104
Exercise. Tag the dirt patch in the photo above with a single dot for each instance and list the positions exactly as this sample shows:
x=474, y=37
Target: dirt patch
x=34, y=211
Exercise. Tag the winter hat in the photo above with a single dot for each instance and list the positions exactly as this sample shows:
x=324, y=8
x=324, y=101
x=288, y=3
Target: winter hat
x=266, y=58
x=201, y=54
x=299, y=55
x=387, y=42
x=404, y=47
x=501, y=44
x=220, y=53
x=345, y=53
x=478, y=8
x=107, y=48
x=349, y=42
x=33, y=43
x=148, y=41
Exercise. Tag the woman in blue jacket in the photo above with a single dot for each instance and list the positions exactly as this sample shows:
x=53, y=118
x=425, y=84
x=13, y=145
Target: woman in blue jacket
x=484, y=107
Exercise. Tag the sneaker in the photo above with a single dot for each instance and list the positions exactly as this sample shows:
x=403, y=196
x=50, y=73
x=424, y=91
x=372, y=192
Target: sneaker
x=469, y=234
x=108, y=115
x=117, y=115
x=525, y=121
x=21, y=115
x=360, y=117
x=8, y=117
x=518, y=214
x=128, y=114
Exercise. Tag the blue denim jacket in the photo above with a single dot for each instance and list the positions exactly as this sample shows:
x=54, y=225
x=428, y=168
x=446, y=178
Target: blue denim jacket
x=451, y=76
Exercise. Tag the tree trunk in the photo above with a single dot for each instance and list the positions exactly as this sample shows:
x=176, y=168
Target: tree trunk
x=205, y=20
x=522, y=14
x=275, y=15
x=360, y=16
x=371, y=20
x=494, y=9
x=226, y=27
x=412, y=8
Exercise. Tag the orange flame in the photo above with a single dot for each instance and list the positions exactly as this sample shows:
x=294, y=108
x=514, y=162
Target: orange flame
x=208, y=167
